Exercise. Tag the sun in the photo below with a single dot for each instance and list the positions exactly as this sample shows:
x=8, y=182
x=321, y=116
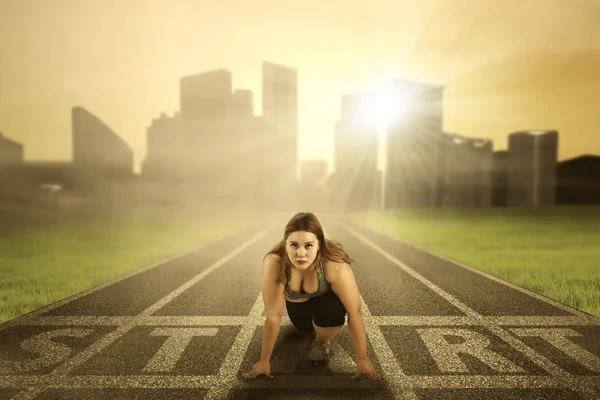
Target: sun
x=384, y=105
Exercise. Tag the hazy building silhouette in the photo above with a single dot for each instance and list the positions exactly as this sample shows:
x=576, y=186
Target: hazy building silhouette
x=207, y=94
x=11, y=152
x=500, y=178
x=354, y=183
x=160, y=170
x=280, y=134
x=313, y=172
x=37, y=173
x=263, y=164
x=578, y=180
x=312, y=192
x=532, y=168
x=11, y=162
x=162, y=148
x=97, y=147
x=28, y=182
x=201, y=154
x=466, y=171
x=243, y=140
x=414, y=142
x=102, y=161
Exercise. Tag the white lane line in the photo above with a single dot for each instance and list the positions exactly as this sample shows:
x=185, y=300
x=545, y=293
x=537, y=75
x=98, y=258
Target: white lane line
x=497, y=382
x=158, y=320
x=110, y=381
x=537, y=296
x=395, y=377
x=21, y=320
x=226, y=377
x=487, y=320
x=97, y=347
x=420, y=382
x=290, y=381
x=517, y=344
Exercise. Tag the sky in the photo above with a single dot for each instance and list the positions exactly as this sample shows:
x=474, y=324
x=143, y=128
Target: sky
x=506, y=66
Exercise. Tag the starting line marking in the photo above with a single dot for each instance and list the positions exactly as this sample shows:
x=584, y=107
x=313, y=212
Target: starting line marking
x=63, y=370
x=401, y=385
x=285, y=382
x=259, y=320
x=558, y=373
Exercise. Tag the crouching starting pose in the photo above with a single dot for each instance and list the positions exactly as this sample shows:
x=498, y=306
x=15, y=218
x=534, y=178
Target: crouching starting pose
x=313, y=275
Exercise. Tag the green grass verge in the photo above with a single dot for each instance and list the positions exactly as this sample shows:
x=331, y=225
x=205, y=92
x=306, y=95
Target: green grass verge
x=46, y=256
x=551, y=251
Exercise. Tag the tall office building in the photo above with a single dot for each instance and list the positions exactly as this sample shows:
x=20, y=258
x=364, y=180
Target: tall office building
x=11, y=168
x=412, y=174
x=313, y=172
x=280, y=135
x=11, y=152
x=242, y=139
x=162, y=143
x=207, y=94
x=466, y=171
x=97, y=147
x=355, y=183
x=202, y=153
x=578, y=180
x=102, y=161
x=311, y=188
x=500, y=178
x=532, y=160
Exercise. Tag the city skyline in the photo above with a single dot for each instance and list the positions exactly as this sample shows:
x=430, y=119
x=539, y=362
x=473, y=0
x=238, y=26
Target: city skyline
x=127, y=89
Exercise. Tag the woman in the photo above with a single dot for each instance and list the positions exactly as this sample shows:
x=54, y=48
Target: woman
x=314, y=277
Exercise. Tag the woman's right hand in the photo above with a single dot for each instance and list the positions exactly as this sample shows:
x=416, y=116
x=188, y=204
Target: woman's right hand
x=260, y=368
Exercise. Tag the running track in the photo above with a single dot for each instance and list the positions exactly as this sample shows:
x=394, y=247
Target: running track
x=187, y=327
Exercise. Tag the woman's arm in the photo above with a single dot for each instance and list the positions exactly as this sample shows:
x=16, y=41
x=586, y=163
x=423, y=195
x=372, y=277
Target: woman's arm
x=343, y=284
x=273, y=299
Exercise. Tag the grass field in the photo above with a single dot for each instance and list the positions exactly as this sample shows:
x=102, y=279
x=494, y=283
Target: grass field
x=551, y=251
x=48, y=255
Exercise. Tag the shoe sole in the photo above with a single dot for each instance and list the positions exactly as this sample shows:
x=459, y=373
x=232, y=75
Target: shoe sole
x=319, y=363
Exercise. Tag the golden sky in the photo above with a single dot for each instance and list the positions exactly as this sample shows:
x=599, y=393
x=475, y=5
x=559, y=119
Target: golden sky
x=507, y=65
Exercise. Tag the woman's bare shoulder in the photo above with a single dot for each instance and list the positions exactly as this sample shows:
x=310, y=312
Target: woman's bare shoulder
x=333, y=268
x=271, y=263
x=272, y=258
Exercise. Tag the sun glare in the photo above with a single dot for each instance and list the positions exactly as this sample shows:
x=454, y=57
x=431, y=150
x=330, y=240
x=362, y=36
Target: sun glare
x=384, y=106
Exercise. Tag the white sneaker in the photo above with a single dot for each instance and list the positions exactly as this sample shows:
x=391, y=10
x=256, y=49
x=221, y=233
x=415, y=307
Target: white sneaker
x=319, y=354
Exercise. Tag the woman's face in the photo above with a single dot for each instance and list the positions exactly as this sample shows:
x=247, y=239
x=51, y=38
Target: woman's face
x=302, y=248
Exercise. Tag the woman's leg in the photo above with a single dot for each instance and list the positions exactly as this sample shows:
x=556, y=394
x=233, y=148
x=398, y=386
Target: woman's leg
x=300, y=315
x=329, y=316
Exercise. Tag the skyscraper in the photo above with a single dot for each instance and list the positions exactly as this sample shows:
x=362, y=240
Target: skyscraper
x=466, y=171
x=280, y=116
x=414, y=138
x=11, y=152
x=97, y=147
x=207, y=94
x=311, y=188
x=532, y=159
x=202, y=154
x=355, y=182
x=500, y=178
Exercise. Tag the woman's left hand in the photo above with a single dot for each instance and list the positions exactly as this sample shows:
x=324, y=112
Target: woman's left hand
x=364, y=366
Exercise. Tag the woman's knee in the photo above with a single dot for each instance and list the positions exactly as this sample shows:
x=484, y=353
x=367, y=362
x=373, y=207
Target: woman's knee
x=304, y=329
x=330, y=321
x=329, y=312
x=300, y=317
